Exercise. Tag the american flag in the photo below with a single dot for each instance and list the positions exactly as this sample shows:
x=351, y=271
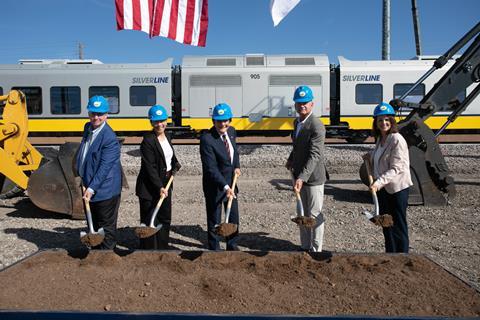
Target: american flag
x=185, y=21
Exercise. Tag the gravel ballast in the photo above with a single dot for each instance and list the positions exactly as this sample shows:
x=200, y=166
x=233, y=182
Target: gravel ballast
x=447, y=235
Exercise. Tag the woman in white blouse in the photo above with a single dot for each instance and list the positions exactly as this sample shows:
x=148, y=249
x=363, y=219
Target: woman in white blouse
x=158, y=164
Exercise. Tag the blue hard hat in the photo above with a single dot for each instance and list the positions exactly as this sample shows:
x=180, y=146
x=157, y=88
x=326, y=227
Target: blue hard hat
x=157, y=113
x=303, y=94
x=98, y=104
x=222, y=111
x=383, y=109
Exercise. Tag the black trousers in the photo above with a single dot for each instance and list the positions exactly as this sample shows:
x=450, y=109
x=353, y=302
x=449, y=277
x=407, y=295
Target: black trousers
x=159, y=241
x=214, y=217
x=104, y=215
x=396, y=236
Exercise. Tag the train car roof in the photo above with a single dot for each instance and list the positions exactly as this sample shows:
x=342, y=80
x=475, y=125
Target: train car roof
x=421, y=64
x=344, y=62
x=255, y=60
x=48, y=65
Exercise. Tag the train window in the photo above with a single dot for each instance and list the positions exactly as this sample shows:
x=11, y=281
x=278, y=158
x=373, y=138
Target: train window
x=142, y=96
x=415, y=96
x=368, y=93
x=65, y=100
x=34, y=98
x=110, y=93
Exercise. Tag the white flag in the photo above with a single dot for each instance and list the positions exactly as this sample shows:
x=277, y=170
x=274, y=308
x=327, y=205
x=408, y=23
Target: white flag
x=280, y=8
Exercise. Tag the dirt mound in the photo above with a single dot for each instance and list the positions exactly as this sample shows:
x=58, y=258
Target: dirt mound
x=238, y=283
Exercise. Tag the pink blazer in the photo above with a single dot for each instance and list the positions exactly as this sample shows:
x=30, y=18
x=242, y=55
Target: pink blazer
x=393, y=164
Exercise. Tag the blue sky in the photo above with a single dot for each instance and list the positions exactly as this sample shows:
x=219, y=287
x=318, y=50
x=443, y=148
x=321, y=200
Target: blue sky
x=351, y=28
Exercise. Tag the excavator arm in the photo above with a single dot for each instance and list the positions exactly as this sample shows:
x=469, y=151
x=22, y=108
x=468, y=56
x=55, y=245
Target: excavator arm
x=18, y=156
x=432, y=182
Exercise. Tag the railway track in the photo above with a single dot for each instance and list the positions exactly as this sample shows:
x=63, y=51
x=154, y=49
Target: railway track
x=444, y=139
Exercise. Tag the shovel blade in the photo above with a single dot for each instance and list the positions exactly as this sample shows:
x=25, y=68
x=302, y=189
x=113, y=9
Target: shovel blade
x=91, y=239
x=307, y=222
x=144, y=231
x=226, y=229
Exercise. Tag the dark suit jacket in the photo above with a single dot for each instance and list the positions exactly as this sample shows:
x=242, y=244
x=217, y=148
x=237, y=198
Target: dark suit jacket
x=217, y=169
x=307, y=156
x=153, y=169
x=102, y=171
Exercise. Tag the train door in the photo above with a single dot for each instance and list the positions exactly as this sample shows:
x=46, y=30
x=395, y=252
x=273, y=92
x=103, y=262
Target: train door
x=205, y=91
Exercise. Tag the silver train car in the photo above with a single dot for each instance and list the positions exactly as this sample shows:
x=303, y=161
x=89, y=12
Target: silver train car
x=258, y=87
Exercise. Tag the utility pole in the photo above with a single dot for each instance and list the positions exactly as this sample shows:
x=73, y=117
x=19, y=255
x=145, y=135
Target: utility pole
x=80, y=51
x=416, y=28
x=386, y=30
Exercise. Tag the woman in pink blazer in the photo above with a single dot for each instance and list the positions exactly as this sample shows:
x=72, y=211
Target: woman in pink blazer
x=391, y=176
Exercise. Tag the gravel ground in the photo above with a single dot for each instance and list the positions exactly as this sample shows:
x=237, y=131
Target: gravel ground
x=448, y=235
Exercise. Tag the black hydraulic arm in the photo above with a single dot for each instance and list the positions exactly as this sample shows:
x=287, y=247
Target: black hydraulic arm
x=432, y=183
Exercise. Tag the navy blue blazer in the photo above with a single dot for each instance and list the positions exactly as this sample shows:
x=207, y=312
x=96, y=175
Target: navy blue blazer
x=102, y=170
x=217, y=169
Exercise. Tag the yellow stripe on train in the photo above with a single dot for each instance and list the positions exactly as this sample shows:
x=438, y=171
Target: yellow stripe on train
x=142, y=124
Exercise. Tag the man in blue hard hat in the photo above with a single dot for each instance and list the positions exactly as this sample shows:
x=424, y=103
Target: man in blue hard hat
x=220, y=161
x=307, y=164
x=98, y=164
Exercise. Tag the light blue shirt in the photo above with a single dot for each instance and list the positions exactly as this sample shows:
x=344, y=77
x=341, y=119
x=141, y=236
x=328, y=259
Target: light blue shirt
x=300, y=124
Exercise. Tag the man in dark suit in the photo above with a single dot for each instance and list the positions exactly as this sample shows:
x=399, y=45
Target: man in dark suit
x=307, y=163
x=220, y=161
x=98, y=164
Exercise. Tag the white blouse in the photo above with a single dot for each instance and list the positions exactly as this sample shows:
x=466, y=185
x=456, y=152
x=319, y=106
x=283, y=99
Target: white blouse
x=168, y=152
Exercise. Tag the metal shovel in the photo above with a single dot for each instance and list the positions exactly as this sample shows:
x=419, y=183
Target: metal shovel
x=144, y=231
x=226, y=229
x=92, y=238
x=384, y=220
x=300, y=218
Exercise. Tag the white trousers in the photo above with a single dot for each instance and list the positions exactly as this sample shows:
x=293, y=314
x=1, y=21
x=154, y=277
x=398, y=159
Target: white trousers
x=312, y=200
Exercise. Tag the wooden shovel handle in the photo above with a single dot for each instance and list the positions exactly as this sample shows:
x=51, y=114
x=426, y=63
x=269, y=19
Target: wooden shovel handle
x=297, y=194
x=369, y=171
x=162, y=197
x=234, y=183
x=169, y=182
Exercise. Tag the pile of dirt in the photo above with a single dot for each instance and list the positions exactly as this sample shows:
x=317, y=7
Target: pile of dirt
x=237, y=283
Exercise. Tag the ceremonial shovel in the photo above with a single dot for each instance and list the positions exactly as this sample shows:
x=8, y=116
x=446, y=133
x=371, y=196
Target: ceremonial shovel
x=144, y=231
x=92, y=238
x=226, y=229
x=301, y=219
x=384, y=220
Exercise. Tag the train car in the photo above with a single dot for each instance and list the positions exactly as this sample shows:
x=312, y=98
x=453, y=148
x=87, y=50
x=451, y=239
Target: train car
x=364, y=84
x=259, y=88
x=58, y=91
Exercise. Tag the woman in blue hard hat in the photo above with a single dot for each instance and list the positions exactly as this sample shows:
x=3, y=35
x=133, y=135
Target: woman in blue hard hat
x=220, y=161
x=391, y=176
x=158, y=164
